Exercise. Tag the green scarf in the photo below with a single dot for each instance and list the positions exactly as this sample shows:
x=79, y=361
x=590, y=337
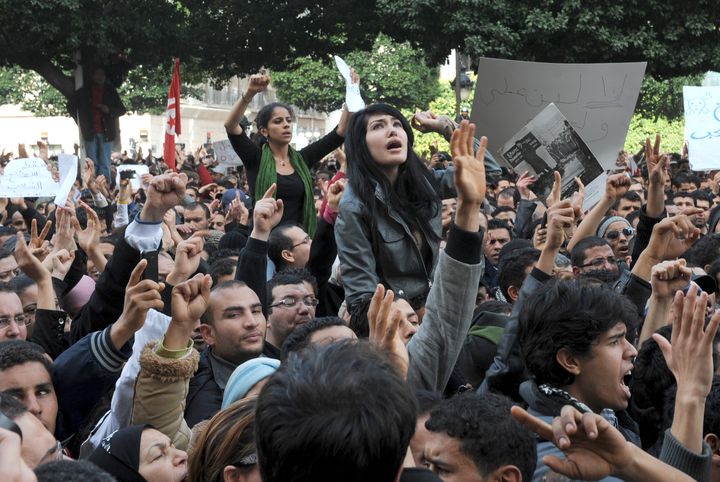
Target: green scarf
x=268, y=175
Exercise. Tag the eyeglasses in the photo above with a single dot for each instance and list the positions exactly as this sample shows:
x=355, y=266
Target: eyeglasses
x=616, y=234
x=291, y=302
x=600, y=262
x=20, y=320
x=306, y=240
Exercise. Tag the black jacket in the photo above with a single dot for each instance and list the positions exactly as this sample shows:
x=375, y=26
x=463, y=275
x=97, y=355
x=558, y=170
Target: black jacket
x=204, y=395
x=80, y=108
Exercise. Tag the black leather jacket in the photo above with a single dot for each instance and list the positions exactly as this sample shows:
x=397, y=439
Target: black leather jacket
x=380, y=247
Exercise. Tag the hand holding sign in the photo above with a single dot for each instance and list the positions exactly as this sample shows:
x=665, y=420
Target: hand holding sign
x=353, y=99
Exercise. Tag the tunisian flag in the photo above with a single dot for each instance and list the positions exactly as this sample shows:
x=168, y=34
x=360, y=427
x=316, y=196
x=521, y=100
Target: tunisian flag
x=172, y=117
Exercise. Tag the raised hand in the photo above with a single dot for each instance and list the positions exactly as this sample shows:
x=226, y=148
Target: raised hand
x=593, y=448
x=556, y=191
x=140, y=296
x=43, y=151
x=560, y=219
x=616, y=186
x=668, y=277
x=28, y=262
x=384, y=322
x=689, y=353
x=258, y=83
x=656, y=162
x=578, y=197
x=427, y=121
x=190, y=299
x=88, y=238
x=523, y=186
x=671, y=237
x=61, y=261
x=63, y=229
x=164, y=192
x=38, y=245
x=237, y=211
x=469, y=168
x=267, y=214
x=187, y=258
x=690, y=359
x=335, y=193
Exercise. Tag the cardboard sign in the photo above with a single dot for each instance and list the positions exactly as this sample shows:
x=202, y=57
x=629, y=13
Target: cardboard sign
x=597, y=99
x=27, y=177
x=225, y=154
x=68, y=167
x=702, y=126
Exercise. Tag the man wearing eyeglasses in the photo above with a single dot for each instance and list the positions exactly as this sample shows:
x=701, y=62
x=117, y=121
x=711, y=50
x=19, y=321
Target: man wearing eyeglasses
x=594, y=258
x=619, y=234
x=12, y=319
x=8, y=265
x=291, y=305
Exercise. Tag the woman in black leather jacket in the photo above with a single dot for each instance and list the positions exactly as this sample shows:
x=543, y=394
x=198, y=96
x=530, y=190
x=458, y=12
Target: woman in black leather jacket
x=389, y=228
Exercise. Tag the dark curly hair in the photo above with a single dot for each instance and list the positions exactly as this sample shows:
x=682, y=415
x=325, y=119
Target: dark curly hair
x=572, y=315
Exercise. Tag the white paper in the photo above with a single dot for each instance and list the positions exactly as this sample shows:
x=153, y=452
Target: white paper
x=225, y=154
x=353, y=99
x=548, y=143
x=597, y=99
x=139, y=169
x=28, y=177
x=702, y=126
x=67, y=166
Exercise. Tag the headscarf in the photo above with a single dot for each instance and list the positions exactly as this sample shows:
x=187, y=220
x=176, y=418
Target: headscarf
x=267, y=175
x=119, y=454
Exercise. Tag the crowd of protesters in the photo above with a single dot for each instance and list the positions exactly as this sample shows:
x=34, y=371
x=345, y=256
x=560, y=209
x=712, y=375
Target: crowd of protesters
x=354, y=311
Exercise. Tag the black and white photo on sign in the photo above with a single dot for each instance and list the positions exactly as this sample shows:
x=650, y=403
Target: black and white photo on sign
x=549, y=143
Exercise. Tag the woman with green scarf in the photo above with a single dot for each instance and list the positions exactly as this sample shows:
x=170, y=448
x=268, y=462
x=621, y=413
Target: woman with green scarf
x=275, y=161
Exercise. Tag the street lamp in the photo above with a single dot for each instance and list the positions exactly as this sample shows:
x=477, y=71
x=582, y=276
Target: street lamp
x=462, y=84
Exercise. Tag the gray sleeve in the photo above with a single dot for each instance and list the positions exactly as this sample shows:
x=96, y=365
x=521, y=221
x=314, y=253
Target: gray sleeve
x=436, y=346
x=697, y=466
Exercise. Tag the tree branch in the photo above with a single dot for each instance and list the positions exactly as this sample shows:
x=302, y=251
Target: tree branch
x=51, y=73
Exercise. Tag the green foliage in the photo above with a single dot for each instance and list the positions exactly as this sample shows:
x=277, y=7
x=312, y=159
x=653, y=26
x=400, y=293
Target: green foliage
x=664, y=98
x=675, y=38
x=390, y=72
x=671, y=131
x=31, y=92
x=144, y=91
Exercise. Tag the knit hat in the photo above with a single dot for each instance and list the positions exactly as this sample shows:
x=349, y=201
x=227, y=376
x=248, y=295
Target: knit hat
x=119, y=454
x=246, y=376
x=605, y=224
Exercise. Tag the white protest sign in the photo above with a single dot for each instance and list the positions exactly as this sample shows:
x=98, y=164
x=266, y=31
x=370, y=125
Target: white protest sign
x=139, y=170
x=68, y=166
x=597, y=99
x=548, y=143
x=353, y=99
x=702, y=126
x=27, y=178
x=225, y=154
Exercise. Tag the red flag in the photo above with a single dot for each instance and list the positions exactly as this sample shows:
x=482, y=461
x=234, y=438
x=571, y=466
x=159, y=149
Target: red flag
x=172, y=117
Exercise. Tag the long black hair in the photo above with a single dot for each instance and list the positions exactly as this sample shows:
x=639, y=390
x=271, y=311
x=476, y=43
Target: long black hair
x=412, y=195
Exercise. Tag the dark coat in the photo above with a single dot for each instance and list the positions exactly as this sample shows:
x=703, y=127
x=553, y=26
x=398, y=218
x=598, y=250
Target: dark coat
x=80, y=108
